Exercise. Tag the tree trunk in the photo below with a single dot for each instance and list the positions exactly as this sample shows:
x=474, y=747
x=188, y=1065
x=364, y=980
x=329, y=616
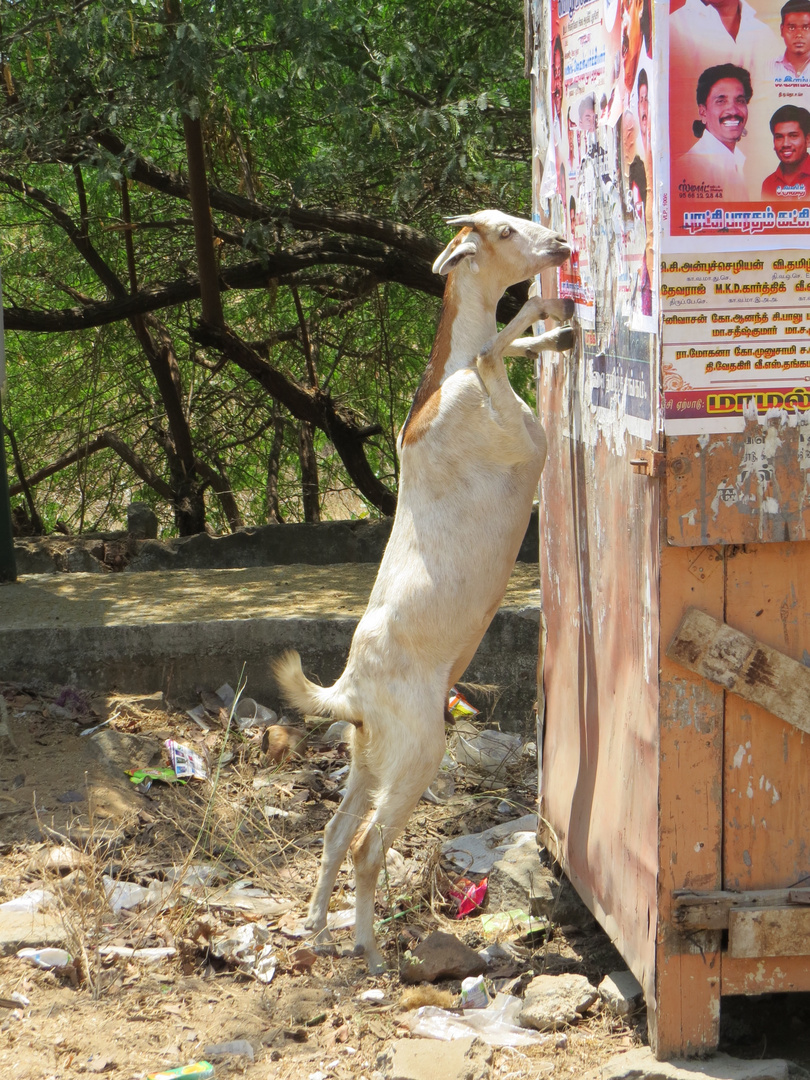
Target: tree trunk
x=309, y=473
x=273, y=462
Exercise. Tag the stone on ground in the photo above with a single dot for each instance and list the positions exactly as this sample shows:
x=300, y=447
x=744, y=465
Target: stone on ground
x=554, y=1001
x=427, y=1059
x=621, y=992
x=442, y=956
x=30, y=930
x=640, y=1064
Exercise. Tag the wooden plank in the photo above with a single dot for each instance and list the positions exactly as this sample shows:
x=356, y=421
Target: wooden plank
x=773, y=932
x=768, y=975
x=744, y=666
x=686, y=1016
x=766, y=777
x=711, y=910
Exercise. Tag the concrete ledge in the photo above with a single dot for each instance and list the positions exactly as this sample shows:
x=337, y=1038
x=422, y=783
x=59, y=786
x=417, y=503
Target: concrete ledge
x=179, y=631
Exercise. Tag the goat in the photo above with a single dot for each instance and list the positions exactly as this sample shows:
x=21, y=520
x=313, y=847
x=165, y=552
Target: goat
x=471, y=453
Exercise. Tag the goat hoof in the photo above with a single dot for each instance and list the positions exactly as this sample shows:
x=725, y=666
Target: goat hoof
x=374, y=959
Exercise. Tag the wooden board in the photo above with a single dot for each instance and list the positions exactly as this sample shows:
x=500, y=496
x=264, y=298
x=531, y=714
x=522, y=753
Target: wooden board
x=743, y=665
x=712, y=910
x=773, y=932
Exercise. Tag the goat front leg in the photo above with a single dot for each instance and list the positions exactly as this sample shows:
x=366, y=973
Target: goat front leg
x=560, y=339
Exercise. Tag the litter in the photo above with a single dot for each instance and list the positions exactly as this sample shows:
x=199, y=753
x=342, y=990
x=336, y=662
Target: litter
x=199, y=1070
x=468, y=896
x=31, y=901
x=200, y=717
x=185, y=761
x=459, y=706
x=144, y=778
x=496, y=1024
x=490, y=752
x=237, y=1048
x=247, y=948
x=149, y=955
x=474, y=993
x=226, y=694
x=477, y=853
x=123, y=895
x=516, y=922
x=250, y=714
x=46, y=958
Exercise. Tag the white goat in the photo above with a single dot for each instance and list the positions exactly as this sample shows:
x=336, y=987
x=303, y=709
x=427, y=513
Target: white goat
x=471, y=454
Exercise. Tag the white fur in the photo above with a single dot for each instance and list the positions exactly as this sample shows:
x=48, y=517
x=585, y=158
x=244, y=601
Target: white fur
x=469, y=474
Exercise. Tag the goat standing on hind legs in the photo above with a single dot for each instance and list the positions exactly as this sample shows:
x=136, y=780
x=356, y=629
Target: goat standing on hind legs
x=471, y=453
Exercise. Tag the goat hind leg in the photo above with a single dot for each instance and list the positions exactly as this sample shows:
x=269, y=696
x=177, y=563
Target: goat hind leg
x=337, y=836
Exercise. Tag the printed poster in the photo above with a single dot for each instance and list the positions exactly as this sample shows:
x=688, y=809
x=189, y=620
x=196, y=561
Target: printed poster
x=738, y=93
x=597, y=182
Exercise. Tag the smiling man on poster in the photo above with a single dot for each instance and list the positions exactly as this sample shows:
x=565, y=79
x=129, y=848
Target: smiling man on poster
x=790, y=127
x=713, y=167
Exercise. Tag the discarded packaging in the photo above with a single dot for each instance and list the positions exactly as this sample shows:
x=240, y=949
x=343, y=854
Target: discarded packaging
x=496, y=1025
x=516, y=922
x=250, y=714
x=46, y=958
x=144, y=778
x=123, y=895
x=467, y=896
x=477, y=853
x=186, y=762
x=31, y=901
x=237, y=1048
x=459, y=706
x=199, y=1070
x=248, y=948
x=474, y=993
x=226, y=695
x=148, y=955
x=491, y=752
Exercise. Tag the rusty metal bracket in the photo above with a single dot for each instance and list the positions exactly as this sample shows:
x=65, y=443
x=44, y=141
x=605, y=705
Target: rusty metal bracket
x=649, y=462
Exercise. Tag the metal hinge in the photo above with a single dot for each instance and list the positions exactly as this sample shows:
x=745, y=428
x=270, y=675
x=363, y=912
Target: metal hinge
x=650, y=462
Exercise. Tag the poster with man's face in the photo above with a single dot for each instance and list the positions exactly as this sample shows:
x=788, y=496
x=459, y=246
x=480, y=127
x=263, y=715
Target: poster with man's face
x=739, y=123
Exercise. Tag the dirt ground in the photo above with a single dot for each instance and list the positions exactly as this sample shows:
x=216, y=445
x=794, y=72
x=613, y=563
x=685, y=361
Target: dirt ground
x=70, y=817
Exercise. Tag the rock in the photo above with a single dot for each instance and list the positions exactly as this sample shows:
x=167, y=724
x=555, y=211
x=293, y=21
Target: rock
x=621, y=992
x=418, y=1059
x=640, y=1064
x=442, y=956
x=554, y=1001
x=26, y=929
x=142, y=522
x=120, y=751
x=519, y=880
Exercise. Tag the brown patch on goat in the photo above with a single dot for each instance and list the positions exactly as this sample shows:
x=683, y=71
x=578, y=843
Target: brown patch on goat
x=427, y=399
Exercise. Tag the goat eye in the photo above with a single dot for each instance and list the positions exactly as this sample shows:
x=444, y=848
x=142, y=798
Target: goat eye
x=506, y=231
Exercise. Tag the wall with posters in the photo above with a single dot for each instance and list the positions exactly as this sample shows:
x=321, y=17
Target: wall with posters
x=596, y=185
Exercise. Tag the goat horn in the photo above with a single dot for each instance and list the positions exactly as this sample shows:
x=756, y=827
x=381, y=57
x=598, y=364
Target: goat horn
x=460, y=220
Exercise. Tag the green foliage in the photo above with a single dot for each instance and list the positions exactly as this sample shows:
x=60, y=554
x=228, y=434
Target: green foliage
x=404, y=112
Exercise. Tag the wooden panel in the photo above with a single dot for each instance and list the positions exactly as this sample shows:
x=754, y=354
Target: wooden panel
x=768, y=975
x=744, y=666
x=739, y=488
x=599, y=540
x=687, y=1007
x=773, y=932
x=767, y=761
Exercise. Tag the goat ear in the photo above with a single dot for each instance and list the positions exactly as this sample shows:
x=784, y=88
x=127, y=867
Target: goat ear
x=452, y=256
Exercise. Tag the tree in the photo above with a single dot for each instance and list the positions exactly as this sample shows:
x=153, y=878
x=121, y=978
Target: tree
x=258, y=156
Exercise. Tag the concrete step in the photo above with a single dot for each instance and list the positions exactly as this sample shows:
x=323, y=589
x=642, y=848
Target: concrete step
x=179, y=631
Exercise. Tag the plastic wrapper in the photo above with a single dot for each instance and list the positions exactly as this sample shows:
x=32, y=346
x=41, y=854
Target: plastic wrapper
x=198, y=1070
x=187, y=763
x=467, y=896
x=459, y=706
x=496, y=1025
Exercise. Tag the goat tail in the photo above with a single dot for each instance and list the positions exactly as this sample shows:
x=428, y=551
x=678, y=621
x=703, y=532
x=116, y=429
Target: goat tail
x=306, y=696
